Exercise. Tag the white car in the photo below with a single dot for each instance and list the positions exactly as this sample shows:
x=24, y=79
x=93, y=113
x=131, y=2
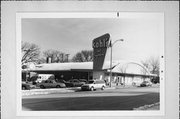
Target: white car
x=93, y=85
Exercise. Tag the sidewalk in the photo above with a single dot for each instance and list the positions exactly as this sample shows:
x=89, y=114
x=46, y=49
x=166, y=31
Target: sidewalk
x=48, y=91
x=62, y=90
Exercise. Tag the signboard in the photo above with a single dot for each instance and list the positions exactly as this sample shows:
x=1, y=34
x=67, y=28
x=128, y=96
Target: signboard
x=100, y=46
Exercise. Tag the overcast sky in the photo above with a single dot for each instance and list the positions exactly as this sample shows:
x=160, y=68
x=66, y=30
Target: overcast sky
x=141, y=34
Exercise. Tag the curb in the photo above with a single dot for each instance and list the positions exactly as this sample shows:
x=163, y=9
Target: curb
x=46, y=91
x=146, y=107
x=109, y=88
x=59, y=90
x=54, y=91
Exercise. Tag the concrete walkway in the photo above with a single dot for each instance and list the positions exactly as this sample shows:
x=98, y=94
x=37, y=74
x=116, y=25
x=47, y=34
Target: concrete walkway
x=65, y=90
x=53, y=90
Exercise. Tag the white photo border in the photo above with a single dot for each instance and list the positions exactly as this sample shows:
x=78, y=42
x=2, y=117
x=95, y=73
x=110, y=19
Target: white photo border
x=19, y=112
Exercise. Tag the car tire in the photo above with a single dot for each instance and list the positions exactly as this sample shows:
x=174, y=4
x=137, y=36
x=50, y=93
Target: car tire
x=23, y=88
x=92, y=88
x=134, y=84
x=102, y=88
x=58, y=86
x=42, y=87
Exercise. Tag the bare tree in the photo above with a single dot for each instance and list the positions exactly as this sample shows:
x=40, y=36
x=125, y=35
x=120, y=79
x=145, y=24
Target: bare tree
x=152, y=64
x=41, y=60
x=83, y=56
x=123, y=69
x=30, y=52
x=56, y=56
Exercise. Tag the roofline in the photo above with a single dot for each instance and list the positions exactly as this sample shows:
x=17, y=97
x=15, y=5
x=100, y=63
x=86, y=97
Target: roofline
x=151, y=75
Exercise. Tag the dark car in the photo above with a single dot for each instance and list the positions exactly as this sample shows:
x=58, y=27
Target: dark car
x=83, y=80
x=74, y=83
x=51, y=84
x=67, y=83
x=26, y=86
x=146, y=83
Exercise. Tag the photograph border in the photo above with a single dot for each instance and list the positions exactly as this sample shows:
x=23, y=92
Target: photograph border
x=20, y=112
x=8, y=54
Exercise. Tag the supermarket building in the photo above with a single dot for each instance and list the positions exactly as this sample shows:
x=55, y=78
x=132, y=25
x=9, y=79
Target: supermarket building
x=123, y=72
x=120, y=72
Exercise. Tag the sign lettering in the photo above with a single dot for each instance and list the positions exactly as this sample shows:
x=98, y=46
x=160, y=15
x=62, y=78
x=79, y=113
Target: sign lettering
x=101, y=43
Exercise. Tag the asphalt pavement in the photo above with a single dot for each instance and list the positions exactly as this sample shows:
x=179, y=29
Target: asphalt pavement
x=108, y=99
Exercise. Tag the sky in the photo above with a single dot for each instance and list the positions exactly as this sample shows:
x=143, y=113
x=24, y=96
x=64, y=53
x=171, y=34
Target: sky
x=141, y=33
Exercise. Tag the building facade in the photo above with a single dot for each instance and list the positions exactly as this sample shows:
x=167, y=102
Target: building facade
x=123, y=72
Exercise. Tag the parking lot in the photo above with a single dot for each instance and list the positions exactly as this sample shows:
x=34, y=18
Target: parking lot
x=119, y=98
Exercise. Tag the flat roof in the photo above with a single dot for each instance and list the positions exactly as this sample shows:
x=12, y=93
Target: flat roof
x=64, y=66
x=86, y=66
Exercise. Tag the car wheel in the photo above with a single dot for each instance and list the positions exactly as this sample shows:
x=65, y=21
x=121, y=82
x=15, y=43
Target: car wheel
x=42, y=87
x=23, y=88
x=92, y=88
x=102, y=88
x=58, y=86
x=134, y=84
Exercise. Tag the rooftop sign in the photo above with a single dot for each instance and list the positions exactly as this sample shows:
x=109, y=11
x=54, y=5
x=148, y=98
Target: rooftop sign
x=100, y=46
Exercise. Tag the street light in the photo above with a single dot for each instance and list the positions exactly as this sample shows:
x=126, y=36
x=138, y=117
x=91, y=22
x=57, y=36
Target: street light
x=111, y=45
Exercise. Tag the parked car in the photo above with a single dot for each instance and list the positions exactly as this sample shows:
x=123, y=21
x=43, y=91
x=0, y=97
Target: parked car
x=51, y=84
x=136, y=83
x=67, y=83
x=83, y=80
x=27, y=86
x=74, y=83
x=146, y=83
x=93, y=85
x=155, y=80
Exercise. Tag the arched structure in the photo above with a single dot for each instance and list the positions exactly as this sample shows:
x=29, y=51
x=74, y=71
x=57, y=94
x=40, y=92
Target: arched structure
x=130, y=73
x=131, y=67
x=124, y=72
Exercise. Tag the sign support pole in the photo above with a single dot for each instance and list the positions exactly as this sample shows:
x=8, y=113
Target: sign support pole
x=111, y=45
x=111, y=66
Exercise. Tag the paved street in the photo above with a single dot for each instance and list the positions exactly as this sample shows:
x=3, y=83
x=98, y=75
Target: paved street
x=108, y=99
